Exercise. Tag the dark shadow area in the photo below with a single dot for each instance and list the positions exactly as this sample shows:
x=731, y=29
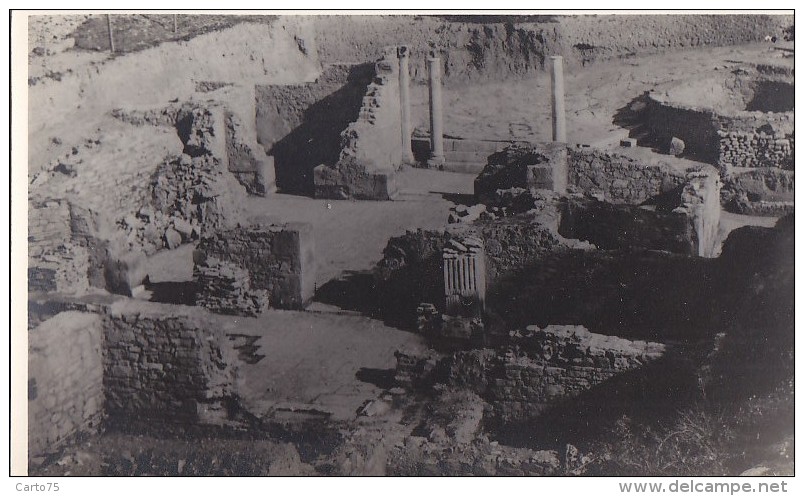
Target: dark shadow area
x=634, y=294
x=633, y=117
x=457, y=198
x=382, y=378
x=175, y=292
x=354, y=291
x=246, y=348
x=394, y=302
x=318, y=139
x=772, y=96
x=651, y=393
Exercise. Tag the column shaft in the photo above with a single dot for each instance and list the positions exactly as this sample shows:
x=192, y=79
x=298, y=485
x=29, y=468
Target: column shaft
x=559, y=113
x=436, y=115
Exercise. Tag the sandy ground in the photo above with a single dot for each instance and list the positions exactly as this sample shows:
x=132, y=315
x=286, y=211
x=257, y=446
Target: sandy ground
x=521, y=109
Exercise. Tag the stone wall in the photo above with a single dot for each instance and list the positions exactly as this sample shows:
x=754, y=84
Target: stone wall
x=732, y=137
x=619, y=178
x=246, y=159
x=696, y=127
x=371, y=146
x=166, y=364
x=300, y=125
x=616, y=226
x=533, y=166
x=190, y=193
x=537, y=368
x=684, y=220
x=64, y=253
x=242, y=270
x=65, y=380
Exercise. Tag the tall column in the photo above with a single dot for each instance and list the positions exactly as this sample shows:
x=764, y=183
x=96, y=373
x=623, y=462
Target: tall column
x=404, y=103
x=436, y=117
x=557, y=83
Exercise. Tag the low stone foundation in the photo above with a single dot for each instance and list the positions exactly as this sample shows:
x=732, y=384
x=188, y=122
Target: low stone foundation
x=535, y=369
x=164, y=364
x=65, y=380
x=242, y=270
x=532, y=167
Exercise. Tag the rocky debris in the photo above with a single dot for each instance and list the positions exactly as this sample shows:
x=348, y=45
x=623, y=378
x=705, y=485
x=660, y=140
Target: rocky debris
x=418, y=456
x=676, y=146
x=190, y=193
x=462, y=213
x=531, y=167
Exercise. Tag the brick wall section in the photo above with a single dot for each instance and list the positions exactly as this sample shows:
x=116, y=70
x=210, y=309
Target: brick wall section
x=165, y=364
x=64, y=253
x=371, y=146
x=239, y=269
x=65, y=380
x=756, y=139
x=619, y=178
x=549, y=365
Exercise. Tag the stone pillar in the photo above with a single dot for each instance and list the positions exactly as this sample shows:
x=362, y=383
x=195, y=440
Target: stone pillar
x=436, y=117
x=404, y=102
x=557, y=84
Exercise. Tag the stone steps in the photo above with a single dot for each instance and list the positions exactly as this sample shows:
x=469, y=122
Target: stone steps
x=463, y=167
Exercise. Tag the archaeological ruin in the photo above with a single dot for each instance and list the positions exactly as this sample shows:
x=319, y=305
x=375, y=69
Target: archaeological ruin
x=409, y=245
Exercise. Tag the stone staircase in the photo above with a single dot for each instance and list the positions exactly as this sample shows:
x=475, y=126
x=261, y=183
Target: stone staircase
x=462, y=155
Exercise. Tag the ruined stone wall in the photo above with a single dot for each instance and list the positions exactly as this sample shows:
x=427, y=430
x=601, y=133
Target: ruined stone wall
x=190, y=193
x=620, y=179
x=371, y=146
x=65, y=380
x=530, y=166
x=696, y=127
x=537, y=368
x=64, y=252
x=165, y=364
x=246, y=159
x=616, y=226
x=684, y=220
x=756, y=139
x=300, y=125
x=739, y=139
x=241, y=270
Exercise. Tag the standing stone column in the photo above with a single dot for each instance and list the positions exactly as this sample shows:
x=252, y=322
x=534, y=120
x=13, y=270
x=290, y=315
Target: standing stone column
x=404, y=102
x=436, y=116
x=557, y=83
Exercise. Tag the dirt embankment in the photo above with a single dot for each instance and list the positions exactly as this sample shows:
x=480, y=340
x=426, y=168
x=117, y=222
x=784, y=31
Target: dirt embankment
x=473, y=49
x=65, y=111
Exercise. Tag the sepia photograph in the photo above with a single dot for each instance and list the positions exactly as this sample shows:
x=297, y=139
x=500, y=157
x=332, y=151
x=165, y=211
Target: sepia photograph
x=452, y=243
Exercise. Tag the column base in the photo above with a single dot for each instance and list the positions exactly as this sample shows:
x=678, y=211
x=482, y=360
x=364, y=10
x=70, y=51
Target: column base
x=436, y=162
